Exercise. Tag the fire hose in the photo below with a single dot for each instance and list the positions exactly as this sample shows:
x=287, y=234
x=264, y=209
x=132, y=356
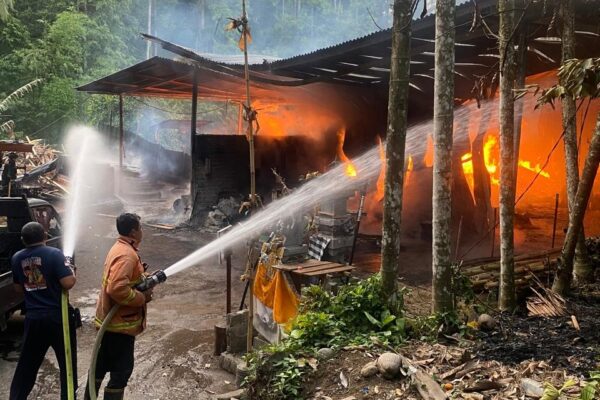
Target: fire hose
x=64, y=308
x=147, y=283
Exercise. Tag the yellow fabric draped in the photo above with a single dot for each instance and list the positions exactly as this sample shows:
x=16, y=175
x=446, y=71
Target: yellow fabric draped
x=273, y=290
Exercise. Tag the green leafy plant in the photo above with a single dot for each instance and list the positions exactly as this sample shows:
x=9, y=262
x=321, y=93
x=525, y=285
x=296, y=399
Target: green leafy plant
x=589, y=390
x=552, y=393
x=354, y=315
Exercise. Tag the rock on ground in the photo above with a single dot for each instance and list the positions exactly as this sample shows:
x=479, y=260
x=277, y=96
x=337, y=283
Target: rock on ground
x=370, y=369
x=389, y=365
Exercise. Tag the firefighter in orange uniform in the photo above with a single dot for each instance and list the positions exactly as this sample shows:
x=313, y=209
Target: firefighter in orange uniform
x=123, y=269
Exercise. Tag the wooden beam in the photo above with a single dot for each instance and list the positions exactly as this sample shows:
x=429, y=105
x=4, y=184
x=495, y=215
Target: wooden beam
x=121, y=133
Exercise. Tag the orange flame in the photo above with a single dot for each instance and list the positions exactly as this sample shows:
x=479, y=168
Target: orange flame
x=429, y=152
x=381, y=179
x=490, y=158
x=409, y=167
x=467, y=165
x=490, y=152
x=350, y=168
x=536, y=169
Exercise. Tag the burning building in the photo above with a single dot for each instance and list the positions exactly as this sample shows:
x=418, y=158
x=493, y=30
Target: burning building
x=331, y=105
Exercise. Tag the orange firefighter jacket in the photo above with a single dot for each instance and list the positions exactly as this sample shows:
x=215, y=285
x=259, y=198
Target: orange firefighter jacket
x=122, y=270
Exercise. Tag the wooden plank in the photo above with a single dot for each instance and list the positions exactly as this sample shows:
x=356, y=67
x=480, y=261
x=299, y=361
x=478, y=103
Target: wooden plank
x=286, y=267
x=308, y=263
x=328, y=271
x=16, y=147
x=318, y=268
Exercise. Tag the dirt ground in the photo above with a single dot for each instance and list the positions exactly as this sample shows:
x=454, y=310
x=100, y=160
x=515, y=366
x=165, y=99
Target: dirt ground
x=174, y=355
x=492, y=364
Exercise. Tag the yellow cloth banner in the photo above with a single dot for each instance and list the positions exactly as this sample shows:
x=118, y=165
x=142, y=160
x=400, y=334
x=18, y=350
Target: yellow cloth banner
x=273, y=290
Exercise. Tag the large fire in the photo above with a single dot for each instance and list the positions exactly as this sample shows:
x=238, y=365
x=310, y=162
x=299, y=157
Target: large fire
x=350, y=168
x=490, y=157
x=381, y=179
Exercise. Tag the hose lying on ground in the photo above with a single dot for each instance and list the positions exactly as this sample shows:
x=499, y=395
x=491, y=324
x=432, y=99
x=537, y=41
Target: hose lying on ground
x=99, y=336
x=64, y=308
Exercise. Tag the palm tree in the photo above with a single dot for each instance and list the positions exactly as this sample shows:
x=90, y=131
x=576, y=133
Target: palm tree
x=9, y=125
x=5, y=7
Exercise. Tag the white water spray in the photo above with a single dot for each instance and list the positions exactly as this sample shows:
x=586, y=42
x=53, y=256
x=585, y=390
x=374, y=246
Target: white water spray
x=325, y=187
x=469, y=120
x=83, y=146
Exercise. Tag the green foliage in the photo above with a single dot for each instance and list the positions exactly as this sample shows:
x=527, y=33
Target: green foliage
x=359, y=308
x=278, y=373
x=578, y=79
x=591, y=387
x=552, y=393
x=355, y=315
x=462, y=288
x=69, y=43
x=5, y=7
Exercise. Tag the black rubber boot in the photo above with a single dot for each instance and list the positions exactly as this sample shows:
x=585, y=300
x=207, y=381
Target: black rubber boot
x=86, y=396
x=114, y=394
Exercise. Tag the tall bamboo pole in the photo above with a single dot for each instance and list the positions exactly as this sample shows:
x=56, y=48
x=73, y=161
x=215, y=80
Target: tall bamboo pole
x=149, y=43
x=121, y=133
x=193, y=128
x=248, y=104
x=250, y=333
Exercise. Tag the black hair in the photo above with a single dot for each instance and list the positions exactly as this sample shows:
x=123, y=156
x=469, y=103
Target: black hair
x=127, y=222
x=32, y=233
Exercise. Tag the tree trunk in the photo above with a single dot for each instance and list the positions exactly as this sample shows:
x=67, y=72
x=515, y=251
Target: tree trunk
x=507, y=299
x=395, y=147
x=443, y=119
x=564, y=273
x=582, y=264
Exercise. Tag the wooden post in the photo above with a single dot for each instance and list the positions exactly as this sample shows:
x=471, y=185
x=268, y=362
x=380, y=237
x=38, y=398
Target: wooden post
x=121, y=133
x=458, y=238
x=555, y=218
x=240, y=126
x=494, y=231
x=248, y=106
x=361, y=205
x=193, y=133
x=149, y=43
x=520, y=84
x=250, y=333
x=228, y=275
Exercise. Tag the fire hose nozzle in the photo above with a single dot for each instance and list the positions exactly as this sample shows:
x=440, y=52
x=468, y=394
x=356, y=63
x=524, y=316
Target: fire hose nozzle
x=150, y=281
x=69, y=262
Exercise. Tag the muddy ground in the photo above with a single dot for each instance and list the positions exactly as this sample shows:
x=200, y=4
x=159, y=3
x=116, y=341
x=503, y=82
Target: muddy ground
x=174, y=355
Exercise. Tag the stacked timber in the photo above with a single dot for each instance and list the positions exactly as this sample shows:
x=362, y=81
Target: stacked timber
x=485, y=273
x=39, y=169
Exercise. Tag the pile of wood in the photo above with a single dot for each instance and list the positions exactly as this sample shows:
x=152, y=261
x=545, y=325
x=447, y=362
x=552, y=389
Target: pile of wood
x=485, y=273
x=41, y=154
x=38, y=169
x=546, y=303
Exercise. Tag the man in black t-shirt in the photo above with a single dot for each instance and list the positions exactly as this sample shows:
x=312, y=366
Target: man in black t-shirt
x=41, y=273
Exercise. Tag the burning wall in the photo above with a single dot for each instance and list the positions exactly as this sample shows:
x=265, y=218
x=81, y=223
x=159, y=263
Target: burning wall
x=340, y=126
